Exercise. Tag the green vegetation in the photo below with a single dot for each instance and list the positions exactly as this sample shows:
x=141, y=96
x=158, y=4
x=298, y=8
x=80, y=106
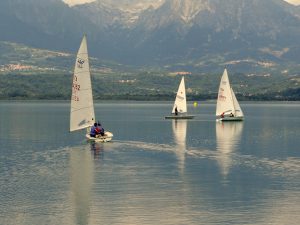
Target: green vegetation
x=28, y=73
x=147, y=86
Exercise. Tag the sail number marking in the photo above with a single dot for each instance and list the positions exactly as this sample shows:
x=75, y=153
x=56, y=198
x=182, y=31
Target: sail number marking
x=222, y=97
x=76, y=89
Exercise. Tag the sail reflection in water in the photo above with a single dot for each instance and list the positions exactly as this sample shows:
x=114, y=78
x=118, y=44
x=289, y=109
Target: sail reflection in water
x=97, y=150
x=179, y=131
x=228, y=137
x=82, y=178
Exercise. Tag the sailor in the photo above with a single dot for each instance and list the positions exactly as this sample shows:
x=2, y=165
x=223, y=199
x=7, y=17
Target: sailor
x=93, y=131
x=176, y=111
x=100, y=129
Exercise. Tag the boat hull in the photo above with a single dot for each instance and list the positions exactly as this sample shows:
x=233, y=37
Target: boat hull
x=106, y=138
x=180, y=117
x=230, y=119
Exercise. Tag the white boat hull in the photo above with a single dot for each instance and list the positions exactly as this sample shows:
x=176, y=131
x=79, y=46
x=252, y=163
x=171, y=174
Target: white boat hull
x=106, y=138
x=180, y=117
x=230, y=119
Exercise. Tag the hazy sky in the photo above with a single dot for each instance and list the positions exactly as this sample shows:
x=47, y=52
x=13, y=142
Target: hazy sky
x=74, y=2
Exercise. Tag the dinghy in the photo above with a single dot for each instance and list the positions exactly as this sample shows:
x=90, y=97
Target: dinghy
x=228, y=108
x=82, y=115
x=179, y=110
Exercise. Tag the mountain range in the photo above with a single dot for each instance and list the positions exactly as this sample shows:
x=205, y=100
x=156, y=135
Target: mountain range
x=248, y=34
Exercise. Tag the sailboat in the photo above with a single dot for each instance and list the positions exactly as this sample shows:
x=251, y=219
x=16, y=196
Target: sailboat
x=228, y=108
x=82, y=115
x=179, y=110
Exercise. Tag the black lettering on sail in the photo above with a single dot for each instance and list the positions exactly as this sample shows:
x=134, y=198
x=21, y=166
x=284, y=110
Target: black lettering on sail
x=80, y=62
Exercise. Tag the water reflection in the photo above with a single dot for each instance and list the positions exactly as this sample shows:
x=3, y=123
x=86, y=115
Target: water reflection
x=228, y=137
x=179, y=131
x=82, y=178
x=18, y=123
x=97, y=150
x=287, y=212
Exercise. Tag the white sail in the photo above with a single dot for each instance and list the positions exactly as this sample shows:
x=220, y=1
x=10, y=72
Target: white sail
x=238, y=111
x=225, y=101
x=82, y=108
x=180, y=101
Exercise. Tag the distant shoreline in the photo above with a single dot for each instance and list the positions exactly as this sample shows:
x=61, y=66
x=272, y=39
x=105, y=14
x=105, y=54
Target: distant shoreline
x=142, y=101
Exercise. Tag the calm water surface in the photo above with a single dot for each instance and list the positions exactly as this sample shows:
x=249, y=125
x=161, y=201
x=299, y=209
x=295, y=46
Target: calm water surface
x=155, y=171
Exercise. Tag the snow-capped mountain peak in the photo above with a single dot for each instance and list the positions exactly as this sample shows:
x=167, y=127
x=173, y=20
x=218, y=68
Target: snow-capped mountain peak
x=188, y=9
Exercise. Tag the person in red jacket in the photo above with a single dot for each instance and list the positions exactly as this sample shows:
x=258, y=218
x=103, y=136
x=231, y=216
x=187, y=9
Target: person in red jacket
x=94, y=131
x=100, y=129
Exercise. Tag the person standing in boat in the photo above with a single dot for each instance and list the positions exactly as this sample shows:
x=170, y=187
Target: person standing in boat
x=176, y=111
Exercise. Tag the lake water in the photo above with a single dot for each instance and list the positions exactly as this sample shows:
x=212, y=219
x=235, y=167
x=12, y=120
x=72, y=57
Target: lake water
x=155, y=171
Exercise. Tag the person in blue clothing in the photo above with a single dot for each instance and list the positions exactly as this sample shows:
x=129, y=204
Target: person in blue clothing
x=93, y=131
x=100, y=129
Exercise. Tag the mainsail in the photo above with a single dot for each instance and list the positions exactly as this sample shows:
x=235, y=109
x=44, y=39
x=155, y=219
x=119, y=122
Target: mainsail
x=225, y=100
x=82, y=113
x=180, y=101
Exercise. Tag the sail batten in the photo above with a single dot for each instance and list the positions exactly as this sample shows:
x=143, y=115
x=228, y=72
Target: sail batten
x=79, y=109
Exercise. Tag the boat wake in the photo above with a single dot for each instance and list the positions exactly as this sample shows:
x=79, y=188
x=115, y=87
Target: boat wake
x=146, y=146
x=289, y=167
